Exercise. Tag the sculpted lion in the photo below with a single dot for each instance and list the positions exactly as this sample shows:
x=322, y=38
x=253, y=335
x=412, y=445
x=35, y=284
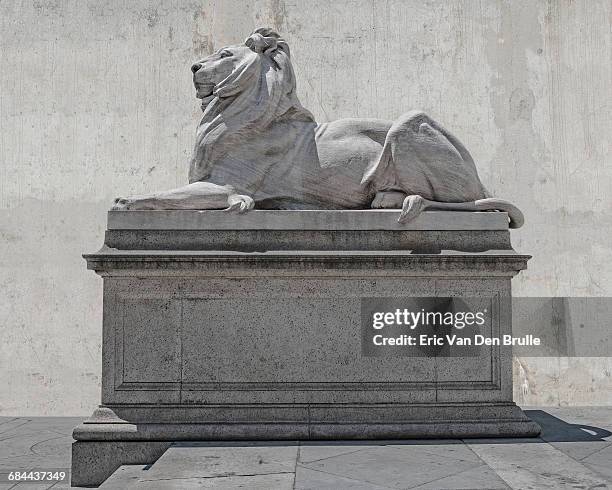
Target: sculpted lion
x=257, y=147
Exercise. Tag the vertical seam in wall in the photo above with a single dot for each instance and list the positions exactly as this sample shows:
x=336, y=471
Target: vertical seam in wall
x=309, y=421
x=182, y=365
x=123, y=313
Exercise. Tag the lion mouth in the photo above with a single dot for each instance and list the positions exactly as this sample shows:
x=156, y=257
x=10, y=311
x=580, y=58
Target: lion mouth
x=203, y=90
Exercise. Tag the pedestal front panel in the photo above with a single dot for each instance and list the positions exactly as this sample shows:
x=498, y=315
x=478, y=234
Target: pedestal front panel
x=282, y=340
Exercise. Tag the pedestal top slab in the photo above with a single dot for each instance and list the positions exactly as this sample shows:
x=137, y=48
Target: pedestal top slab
x=339, y=220
x=360, y=238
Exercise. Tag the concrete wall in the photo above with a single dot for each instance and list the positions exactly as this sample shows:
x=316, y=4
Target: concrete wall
x=96, y=101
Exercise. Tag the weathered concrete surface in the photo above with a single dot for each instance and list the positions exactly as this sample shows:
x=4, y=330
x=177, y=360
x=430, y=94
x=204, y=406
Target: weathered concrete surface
x=94, y=101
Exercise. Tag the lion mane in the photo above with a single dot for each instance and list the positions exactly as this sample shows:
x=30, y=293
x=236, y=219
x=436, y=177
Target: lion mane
x=259, y=91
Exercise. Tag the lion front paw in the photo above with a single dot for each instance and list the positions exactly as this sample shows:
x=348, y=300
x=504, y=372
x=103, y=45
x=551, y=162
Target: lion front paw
x=240, y=203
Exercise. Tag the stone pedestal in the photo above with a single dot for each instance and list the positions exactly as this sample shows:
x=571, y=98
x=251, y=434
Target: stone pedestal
x=224, y=327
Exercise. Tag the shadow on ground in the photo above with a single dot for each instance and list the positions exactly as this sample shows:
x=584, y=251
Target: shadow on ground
x=556, y=430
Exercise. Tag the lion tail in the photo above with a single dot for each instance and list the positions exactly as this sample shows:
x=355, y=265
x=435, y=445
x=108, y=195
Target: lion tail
x=414, y=205
x=515, y=215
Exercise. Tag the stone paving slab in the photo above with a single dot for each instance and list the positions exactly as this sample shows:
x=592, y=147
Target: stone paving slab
x=312, y=451
x=536, y=465
x=308, y=479
x=140, y=477
x=210, y=460
x=574, y=451
x=480, y=478
x=407, y=466
x=126, y=476
x=581, y=451
x=283, y=481
x=35, y=443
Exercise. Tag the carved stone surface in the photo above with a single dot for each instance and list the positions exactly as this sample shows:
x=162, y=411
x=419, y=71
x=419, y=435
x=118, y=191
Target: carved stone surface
x=250, y=329
x=256, y=146
x=219, y=326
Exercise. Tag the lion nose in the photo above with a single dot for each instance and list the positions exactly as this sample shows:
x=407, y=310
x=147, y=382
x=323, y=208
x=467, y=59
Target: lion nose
x=195, y=67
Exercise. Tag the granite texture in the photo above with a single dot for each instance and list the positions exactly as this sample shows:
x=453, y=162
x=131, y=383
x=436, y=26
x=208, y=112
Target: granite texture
x=262, y=231
x=306, y=220
x=94, y=461
x=220, y=342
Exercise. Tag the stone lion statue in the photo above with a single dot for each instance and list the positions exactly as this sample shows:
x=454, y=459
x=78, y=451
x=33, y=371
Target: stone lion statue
x=257, y=147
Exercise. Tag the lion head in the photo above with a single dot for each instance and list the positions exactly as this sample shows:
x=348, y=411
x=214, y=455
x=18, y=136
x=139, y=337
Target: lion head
x=244, y=88
x=213, y=75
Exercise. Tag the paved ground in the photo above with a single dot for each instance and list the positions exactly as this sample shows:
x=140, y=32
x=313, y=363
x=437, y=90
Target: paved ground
x=575, y=451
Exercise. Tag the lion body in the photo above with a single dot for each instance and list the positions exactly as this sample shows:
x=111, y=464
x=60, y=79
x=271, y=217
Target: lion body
x=256, y=136
x=317, y=166
x=260, y=147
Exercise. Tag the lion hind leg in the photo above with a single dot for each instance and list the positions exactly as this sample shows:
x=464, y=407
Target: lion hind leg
x=414, y=205
x=388, y=200
x=377, y=168
x=424, y=159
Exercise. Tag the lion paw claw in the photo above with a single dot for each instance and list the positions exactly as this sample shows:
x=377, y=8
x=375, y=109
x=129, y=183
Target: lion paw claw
x=411, y=208
x=240, y=203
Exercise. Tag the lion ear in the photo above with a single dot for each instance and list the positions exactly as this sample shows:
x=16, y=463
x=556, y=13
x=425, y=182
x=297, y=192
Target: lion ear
x=266, y=41
x=260, y=44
